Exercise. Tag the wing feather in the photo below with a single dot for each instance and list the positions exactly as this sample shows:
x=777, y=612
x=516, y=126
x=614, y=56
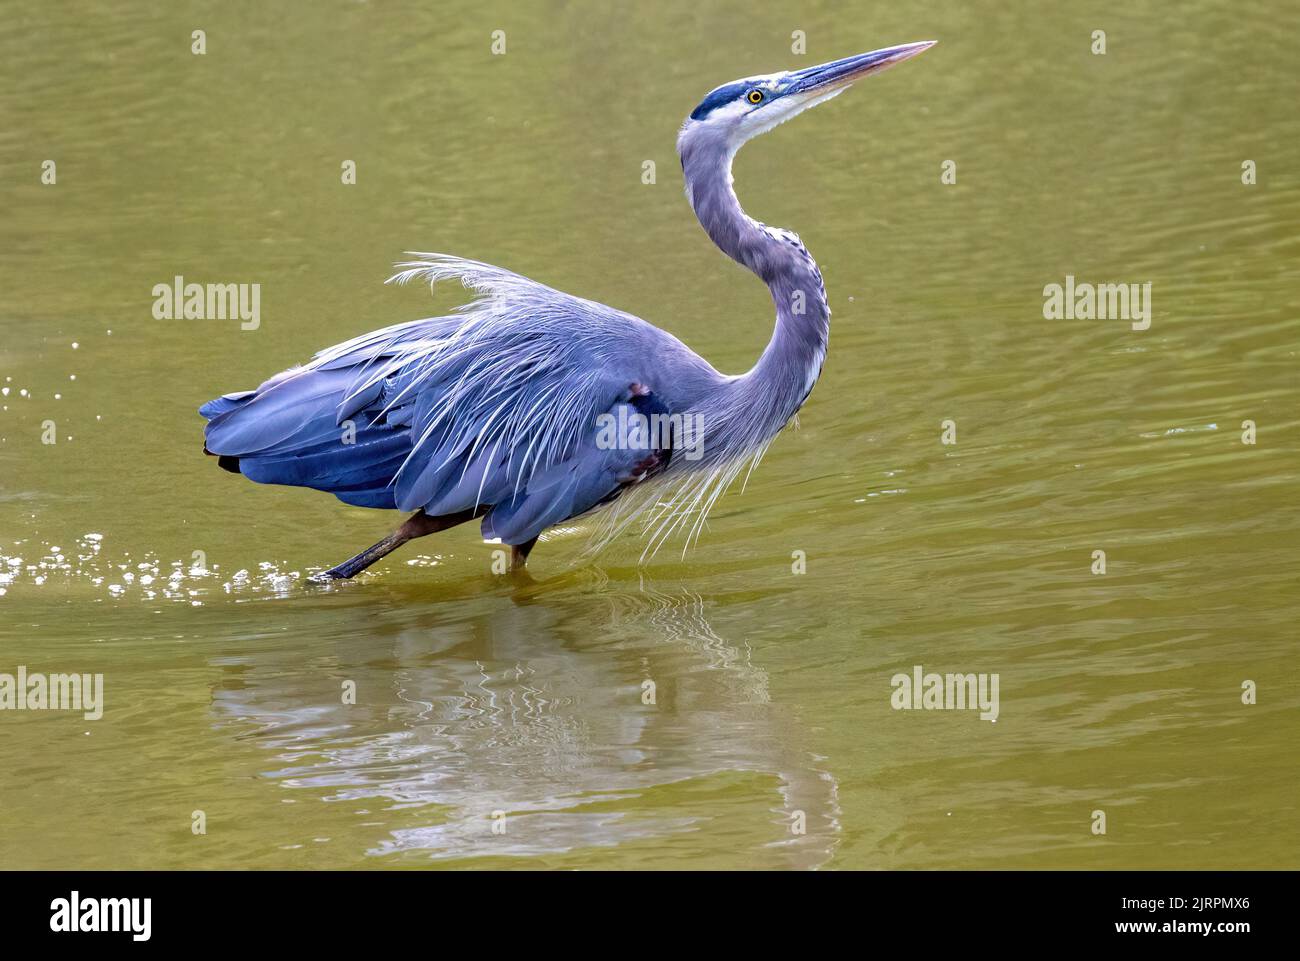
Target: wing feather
x=496, y=405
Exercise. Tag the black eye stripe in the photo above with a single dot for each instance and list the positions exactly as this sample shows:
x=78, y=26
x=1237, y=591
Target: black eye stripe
x=726, y=94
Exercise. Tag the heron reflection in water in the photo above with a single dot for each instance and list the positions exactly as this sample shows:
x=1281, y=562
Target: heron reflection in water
x=531, y=702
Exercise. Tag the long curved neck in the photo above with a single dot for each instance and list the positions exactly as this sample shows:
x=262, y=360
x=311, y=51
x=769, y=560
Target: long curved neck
x=778, y=384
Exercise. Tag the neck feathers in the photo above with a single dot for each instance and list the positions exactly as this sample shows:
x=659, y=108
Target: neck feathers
x=783, y=377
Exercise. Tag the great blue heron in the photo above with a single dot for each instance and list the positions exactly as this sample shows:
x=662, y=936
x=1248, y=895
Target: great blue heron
x=530, y=407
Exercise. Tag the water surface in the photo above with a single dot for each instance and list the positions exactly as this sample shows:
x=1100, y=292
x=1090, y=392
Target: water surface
x=477, y=694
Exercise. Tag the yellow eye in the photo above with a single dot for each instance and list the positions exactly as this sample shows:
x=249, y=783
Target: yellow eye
x=754, y=96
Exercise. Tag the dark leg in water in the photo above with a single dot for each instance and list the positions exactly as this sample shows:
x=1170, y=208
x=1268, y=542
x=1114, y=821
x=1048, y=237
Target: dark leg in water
x=519, y=554
x=417, y=525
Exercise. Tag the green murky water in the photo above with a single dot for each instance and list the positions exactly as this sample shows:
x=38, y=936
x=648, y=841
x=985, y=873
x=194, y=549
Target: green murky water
x=477, y=694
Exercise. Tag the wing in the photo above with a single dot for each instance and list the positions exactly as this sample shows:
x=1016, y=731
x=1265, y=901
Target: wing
x=496, y=406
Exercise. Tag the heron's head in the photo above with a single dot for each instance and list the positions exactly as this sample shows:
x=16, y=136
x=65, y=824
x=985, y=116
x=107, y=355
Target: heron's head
x=737, y=111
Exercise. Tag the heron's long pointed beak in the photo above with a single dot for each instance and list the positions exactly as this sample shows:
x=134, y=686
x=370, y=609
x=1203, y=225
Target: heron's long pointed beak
x=838, y=74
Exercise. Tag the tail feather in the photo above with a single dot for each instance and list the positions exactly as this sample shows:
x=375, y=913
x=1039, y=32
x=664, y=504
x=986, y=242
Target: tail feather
x=293, y=411
x=304, y=429
x=226, y=403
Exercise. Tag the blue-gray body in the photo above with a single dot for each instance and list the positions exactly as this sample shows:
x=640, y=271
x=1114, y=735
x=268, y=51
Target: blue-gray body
x=494, y=410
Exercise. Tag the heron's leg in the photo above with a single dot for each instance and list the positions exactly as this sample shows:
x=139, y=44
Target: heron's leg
x=417, y=525
x=519, y=554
